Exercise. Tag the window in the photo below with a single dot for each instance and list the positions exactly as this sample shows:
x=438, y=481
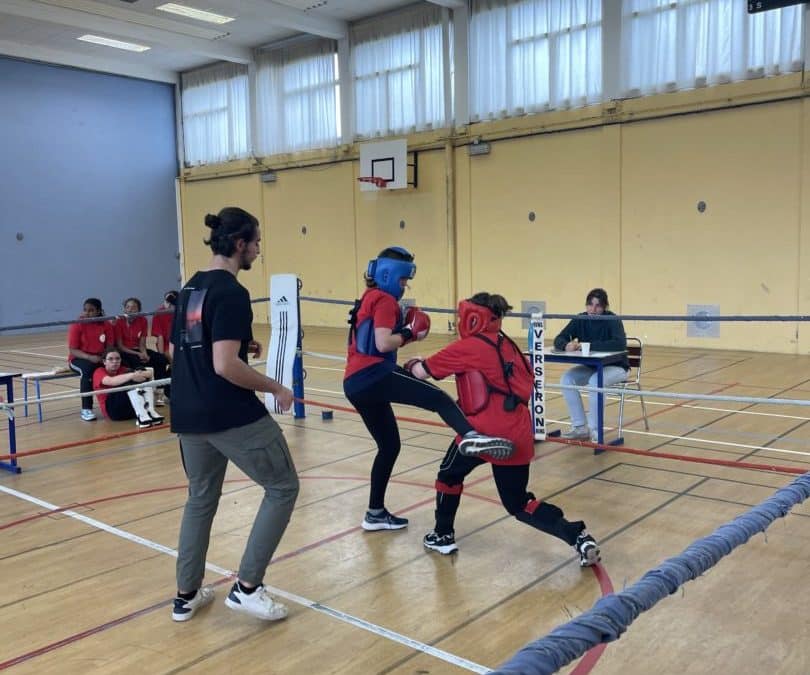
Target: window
x=532, y=55
x=398, y=72
x=672, y=45
x=215, y=114
x=298, y=96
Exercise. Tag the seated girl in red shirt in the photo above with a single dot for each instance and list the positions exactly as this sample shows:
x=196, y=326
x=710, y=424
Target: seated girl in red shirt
x=161, y=327
x=86, y=343
x=494, y=382
x=137, y=404
x=130, y=339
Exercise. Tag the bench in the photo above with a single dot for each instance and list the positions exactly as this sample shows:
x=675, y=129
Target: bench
x=37, y=378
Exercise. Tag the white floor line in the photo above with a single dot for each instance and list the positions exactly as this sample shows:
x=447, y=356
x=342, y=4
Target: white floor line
x=311, y=604
x=713, y=442
x=61, y=357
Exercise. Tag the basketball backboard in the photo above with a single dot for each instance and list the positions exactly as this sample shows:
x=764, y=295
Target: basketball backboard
x=386, y=160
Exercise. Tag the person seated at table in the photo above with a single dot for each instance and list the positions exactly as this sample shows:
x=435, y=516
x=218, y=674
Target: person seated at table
x=86, y=343
x=130, y=339
x=137, y=404
x=604, y=336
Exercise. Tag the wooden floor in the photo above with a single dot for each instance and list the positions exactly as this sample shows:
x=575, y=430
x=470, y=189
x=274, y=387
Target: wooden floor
x=88, y=591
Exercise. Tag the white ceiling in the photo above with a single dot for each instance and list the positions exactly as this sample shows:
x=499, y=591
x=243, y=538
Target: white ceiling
x=46, y=30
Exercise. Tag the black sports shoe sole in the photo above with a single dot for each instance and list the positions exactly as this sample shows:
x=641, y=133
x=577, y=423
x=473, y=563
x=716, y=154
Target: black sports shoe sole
x=497, y=449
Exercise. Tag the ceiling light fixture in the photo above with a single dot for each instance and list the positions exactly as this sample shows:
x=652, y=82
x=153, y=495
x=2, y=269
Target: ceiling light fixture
x=117, y=44
x=192, y=13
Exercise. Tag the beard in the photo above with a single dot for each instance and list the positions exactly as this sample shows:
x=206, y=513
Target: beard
x=244, y=263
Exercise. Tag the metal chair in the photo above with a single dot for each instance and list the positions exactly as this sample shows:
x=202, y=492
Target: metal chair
x=635, y=350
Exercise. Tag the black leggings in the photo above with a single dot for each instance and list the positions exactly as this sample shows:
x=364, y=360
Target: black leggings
x=374, y=405
x=86, y=369
x=511, y=481
x=119, y=407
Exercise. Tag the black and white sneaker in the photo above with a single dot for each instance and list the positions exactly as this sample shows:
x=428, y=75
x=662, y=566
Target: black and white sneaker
x=257, y=603
x=443, y=543
x=588, y=549
x=383, y=521
x=473, y=444
x=183, y=610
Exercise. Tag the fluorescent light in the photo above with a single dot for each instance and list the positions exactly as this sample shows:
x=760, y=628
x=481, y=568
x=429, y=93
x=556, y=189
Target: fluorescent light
x=109, y=42
x=191, y=13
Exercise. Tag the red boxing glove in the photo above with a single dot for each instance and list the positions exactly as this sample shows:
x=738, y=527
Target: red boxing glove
x=410, y=363
x=418, y=323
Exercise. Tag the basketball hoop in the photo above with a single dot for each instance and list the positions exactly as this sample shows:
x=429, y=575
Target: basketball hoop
x=378, y=182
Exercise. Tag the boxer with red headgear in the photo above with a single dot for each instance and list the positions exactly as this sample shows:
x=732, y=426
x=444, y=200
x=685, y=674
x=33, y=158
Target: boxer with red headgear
x=494, y=383
x=373, y=381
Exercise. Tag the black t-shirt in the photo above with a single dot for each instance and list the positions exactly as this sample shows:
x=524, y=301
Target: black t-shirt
x=212, y=306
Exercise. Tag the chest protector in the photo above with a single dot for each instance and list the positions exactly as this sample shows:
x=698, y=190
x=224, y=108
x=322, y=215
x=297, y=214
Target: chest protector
x=474, y=389
x=363, y=335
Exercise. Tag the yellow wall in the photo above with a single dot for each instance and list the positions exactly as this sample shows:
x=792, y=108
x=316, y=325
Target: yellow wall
x=209, y=196
x=615, y=198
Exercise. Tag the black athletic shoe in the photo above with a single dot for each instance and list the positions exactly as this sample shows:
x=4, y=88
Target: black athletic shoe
x=443, y=543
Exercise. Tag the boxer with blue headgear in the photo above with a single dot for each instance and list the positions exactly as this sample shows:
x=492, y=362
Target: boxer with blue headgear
x=389, y=268
x=373, y=380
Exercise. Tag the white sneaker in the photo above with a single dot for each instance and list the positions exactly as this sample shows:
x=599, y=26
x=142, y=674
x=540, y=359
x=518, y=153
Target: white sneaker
x=258, y=604
x=183, y=610
x=577, y=434
x=88, y=415
x=160, y=401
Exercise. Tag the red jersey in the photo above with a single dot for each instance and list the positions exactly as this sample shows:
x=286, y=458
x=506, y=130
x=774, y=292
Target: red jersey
x=92, y=338
x=98, y=375
x=162, y=326
x=130, y=332
x=384, y=312
x=472, y=353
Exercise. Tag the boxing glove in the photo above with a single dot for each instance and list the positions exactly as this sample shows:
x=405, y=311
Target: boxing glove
x=417, y=325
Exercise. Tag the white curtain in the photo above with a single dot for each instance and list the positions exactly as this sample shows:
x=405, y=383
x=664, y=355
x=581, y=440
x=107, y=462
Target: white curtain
x=667, y=46
x=533, y=55
x=215, y=113
x=398, y=72
x=297, y=97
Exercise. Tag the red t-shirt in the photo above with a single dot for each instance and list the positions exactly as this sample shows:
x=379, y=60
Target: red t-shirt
x=131, y=332
x=384, y=311
x=92, y=338
x=472, y=353
x=162, y=326
x=98, y=375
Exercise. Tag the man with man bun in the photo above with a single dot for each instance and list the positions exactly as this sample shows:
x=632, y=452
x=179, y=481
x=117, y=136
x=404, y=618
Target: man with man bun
x=218, y=417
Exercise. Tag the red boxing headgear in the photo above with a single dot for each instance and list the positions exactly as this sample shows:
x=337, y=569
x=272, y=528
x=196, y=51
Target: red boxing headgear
x=474, y=319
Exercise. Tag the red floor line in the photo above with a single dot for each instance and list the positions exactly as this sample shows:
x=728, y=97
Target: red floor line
x=593, y=655
x=74, y=444
x=685, y=458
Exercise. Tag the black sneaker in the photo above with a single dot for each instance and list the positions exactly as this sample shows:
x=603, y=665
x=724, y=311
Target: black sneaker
x=443, y=543
x=473, y=444
x=383, y=521
x=588, y=550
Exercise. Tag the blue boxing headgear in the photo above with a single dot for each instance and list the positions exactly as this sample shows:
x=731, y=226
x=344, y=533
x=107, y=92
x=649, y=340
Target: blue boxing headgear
x=386, y=272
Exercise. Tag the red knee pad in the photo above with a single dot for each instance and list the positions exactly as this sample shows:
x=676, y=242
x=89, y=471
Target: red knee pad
x=531, y=506
x=446, y=489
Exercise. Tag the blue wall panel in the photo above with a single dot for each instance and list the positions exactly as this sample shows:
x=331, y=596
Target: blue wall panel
x=87, y=177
